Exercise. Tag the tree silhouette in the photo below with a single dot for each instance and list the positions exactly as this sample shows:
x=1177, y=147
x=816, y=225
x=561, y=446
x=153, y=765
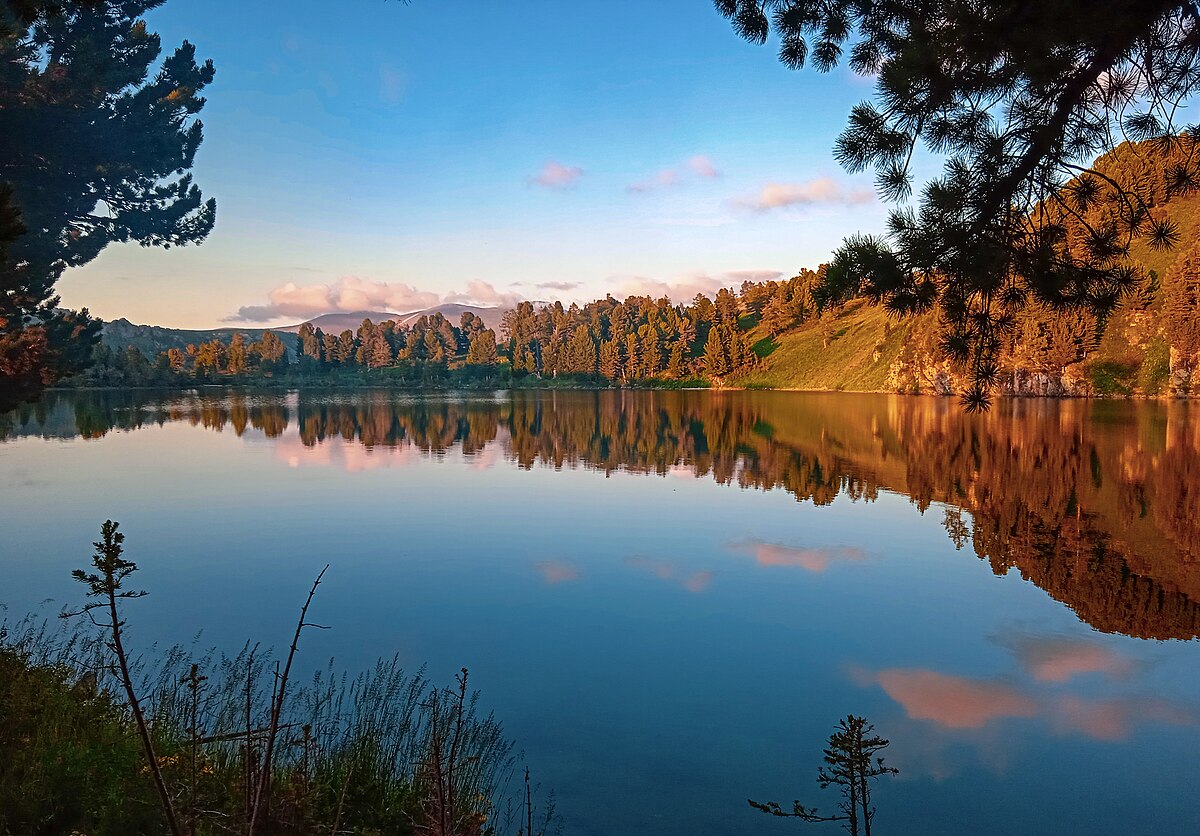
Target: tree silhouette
x=1014, y=95
x=851, y=765
x=98, y=138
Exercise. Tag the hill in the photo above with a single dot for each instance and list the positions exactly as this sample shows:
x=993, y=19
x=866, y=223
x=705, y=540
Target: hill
x=1139, y=350
x=119, y=334
x=336, y=323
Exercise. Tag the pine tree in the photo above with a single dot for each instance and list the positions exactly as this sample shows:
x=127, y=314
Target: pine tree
x=482, y=350
x=610, y=360
x=716, y=353
x=1013, y=95
x=98, y=137
x=237, y=354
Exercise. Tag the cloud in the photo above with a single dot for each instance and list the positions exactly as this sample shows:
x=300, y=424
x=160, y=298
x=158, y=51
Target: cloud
x=702, y=166
x=755, y=275
x=557, y=176
x=958, y=702
x=353, y=293
x=823, y=191
x=1114, y=719
x=558, y=285
x=811, y=560
x=663, y=180
x=1059, y=659
x=666, y=570
x=954, y=701
x=555, y=572
x=683, y=288
x=484, y=294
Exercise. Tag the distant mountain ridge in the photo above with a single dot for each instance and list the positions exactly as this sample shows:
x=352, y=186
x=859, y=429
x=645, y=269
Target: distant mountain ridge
x=335, y=323
x=151, y=340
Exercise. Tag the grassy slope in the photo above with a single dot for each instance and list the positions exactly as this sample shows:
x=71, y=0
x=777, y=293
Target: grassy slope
x=800, y=360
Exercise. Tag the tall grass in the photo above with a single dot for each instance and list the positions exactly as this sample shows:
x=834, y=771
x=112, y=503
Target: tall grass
x=385, y=751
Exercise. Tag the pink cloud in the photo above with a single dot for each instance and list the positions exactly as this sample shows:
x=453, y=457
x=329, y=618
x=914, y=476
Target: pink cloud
x=557, y=176
x=555, y=572
x=1114, y=719
x=811, y=560
x=957, y=702
x=823, y=191
x=1058, y=659
x=485, y=294
x=666, y=570
x=702, y=166
x=699, y=581
x=354, y=293
x=954, y=701
x=664, y=179
x=684, y=288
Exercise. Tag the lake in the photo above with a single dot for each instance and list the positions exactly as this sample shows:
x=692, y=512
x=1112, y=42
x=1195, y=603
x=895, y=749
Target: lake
x=670, y=598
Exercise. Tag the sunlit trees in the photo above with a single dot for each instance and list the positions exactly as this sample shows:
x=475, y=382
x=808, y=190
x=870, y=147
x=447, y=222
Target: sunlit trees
x=482, y=349
x=1181, y=318
x=98, y=138
x=1015, y=96
x=716, y=353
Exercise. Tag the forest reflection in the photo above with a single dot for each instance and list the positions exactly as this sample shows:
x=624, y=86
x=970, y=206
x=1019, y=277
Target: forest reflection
x=1094, y=502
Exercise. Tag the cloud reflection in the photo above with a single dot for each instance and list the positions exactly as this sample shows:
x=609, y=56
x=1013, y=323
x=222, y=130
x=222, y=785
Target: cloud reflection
x=958, y=702
x=348, y=456
x=812, y=560
x=668, y=571
x=954, y=701
x=1059, y=659
x=555, y=572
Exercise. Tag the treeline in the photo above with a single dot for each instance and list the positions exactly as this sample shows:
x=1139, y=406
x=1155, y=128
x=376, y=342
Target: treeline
x=606, y=341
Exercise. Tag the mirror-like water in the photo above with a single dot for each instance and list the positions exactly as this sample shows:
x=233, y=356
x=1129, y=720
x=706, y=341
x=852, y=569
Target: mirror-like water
x=670, y=598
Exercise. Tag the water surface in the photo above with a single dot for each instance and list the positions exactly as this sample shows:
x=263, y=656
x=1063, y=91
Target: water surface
x=670, y=598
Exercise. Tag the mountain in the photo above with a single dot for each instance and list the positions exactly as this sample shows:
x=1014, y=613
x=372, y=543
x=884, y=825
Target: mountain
x=454, y=311
x=151, y=340
x=336, y=323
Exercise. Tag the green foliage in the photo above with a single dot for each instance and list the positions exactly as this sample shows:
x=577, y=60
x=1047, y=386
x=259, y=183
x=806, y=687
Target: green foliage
x=1155, y=369
x=69, y=759
x=1012, y=97
x=1111, y=377
x=384, y=752
x=99, y=136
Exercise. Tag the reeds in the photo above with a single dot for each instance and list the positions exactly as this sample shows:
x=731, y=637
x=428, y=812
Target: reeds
x=238, y=748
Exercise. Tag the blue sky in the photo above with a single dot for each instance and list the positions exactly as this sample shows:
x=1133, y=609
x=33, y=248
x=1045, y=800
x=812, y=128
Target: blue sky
x=372, y=154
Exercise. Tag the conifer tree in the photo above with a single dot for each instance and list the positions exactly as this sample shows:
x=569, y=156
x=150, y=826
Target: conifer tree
x=98, y=137
x=482, y=350
x=1014, y=95
x=716, y=353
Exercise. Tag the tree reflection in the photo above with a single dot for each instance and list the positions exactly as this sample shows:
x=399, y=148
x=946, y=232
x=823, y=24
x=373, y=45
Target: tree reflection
x=1093, y=502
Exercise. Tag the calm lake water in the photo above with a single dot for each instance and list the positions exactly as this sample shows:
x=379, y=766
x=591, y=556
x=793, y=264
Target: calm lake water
x=671, y=598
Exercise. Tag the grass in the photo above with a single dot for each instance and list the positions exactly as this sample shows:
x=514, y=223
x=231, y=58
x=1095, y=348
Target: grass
x=371, y=754
x=863, y=341
x=355, y=750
